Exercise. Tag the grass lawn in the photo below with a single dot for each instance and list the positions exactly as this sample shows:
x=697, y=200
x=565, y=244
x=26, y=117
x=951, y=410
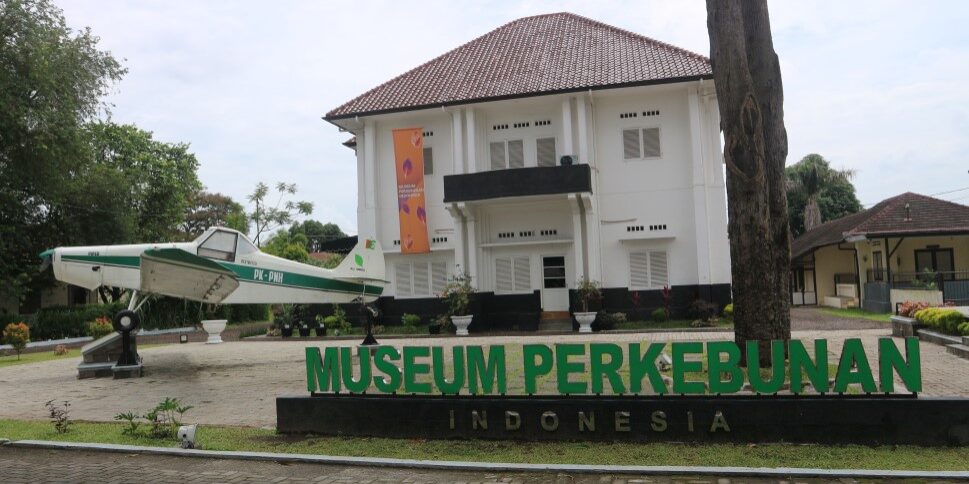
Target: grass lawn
x=858, y=313
x=671, y=324
x=37, y=357
x=761, y=455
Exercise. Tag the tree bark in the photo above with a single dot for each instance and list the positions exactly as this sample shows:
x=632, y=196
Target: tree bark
x=750, y=95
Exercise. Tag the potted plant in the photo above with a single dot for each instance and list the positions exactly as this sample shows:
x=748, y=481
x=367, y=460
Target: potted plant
x=211, y=324
x=320, y=325
x=283, y=320
x=304, y=329
x=587, y=292
x=457, y=295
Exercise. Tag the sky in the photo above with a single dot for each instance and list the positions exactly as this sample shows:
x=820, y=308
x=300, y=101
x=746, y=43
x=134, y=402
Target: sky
x=877, y=87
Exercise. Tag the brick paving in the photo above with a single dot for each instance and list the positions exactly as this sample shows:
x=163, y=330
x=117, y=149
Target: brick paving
x=41, y=466
x=236, y=383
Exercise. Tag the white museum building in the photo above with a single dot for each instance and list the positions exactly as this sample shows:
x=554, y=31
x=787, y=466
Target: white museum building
x=556, y=148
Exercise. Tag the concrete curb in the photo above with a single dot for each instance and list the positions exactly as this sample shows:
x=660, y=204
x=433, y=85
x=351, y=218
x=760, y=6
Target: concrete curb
x=779, y=472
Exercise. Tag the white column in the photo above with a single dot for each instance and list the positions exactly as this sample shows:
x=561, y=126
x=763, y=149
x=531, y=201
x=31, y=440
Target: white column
x=471, y=136
x=592, y=236
x=457, y=143
x=368, y=226
x=567, y=148
x=583, y=120
x=575, y=203
x=472, y=243
x=458, y=241
x=700, y=218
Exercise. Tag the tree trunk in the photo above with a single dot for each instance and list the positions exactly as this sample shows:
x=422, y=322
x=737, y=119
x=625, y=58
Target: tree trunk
x=812, y=213
x=748, y=82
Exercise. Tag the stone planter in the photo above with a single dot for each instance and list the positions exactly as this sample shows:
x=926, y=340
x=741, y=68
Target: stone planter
x=214, y=328
x=585, y=321
x=462, y=323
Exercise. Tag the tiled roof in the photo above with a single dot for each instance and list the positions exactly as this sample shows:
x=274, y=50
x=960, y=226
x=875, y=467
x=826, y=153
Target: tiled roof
x=905, y=214
x=559, y=52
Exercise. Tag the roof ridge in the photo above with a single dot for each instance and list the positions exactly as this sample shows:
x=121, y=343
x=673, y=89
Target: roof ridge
x=634, y=34
x=889, y=204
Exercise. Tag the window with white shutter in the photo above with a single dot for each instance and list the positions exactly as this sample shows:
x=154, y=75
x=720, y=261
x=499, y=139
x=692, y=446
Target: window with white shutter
x=428, y=161
x=638, y=269
x=497, y=155
x=651, y=143
x=507, y=154
x=420, y=278
x=546, y=151
x=648, y=269
x=516, y=154
x=641, y=143
x=523, y=273
x=630, y=144
x=438, y=277
x=658, y=271
x=513, y=274
x=402, y=279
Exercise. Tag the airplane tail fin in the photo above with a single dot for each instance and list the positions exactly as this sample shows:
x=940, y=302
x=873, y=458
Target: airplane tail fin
x=364, y=263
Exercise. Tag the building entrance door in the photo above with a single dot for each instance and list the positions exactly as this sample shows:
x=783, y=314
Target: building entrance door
x=555, y=291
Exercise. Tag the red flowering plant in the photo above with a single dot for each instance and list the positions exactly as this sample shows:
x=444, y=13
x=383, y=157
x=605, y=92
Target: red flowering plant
x=16, y=335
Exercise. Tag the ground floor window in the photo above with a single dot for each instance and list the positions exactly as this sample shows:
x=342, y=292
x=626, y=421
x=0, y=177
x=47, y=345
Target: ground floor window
x=513, y=274
x=420, y=278
x=936, y=260
x=648, y=269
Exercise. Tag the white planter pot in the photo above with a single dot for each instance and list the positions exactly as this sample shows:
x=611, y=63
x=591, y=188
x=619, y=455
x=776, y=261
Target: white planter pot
x=585, y=321
x=462, y=323
x=214, y=328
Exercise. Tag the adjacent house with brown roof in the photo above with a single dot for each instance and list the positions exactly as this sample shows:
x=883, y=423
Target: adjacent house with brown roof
x=906, y=247
x=556, y=148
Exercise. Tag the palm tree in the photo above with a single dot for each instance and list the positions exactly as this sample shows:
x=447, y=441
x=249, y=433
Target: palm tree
x=808, y=178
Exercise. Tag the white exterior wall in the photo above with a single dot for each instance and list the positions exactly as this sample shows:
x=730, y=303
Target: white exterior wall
x=683, y=188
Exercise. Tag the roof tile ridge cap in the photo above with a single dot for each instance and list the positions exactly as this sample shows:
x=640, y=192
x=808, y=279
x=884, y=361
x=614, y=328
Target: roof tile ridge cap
x=640, y=36
x=933, y=199
x=882, y=212
x=445, y=54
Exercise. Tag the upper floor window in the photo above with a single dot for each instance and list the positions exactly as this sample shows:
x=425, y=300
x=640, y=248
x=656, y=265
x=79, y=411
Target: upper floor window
x=640, y=143
x=507, y=154
x=428, y=161
x=545, y=148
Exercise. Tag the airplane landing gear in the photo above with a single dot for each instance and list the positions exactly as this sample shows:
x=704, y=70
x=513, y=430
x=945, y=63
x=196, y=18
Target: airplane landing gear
x=125, y=322
x=370, y=313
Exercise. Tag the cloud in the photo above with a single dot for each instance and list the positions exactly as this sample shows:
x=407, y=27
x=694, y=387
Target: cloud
x=873, y=86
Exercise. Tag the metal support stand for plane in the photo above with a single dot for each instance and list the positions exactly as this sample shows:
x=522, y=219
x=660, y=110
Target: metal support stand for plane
x=369, y=314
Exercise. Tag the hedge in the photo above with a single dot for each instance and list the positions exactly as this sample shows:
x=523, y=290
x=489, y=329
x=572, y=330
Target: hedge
x=942, y=319
x=157, y=313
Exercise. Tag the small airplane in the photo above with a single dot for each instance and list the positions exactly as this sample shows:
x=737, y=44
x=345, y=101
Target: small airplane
x=221, y=266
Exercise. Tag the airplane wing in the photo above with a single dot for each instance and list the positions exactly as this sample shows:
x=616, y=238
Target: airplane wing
x=177, y=273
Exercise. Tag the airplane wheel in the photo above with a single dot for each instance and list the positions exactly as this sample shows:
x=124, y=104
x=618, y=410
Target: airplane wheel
x=126, y=320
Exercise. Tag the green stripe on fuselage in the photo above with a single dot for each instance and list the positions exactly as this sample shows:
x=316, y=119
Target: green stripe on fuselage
x=247, y=274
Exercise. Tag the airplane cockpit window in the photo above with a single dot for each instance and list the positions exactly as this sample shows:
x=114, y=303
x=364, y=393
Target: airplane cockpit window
x=246, y=247
x=220, y=245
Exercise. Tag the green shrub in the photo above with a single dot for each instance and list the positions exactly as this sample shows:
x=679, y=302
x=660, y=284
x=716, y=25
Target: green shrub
x=964, y=329
x=99, y=328
x=606, y=321
x=63, y=322
x=410, y=320
x=337, y=322
x=942, y=319
x=728, y=311
x=242, y=313
x=658, y=315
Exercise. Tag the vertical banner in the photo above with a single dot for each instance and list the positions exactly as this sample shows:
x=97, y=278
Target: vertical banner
x=409, y=154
